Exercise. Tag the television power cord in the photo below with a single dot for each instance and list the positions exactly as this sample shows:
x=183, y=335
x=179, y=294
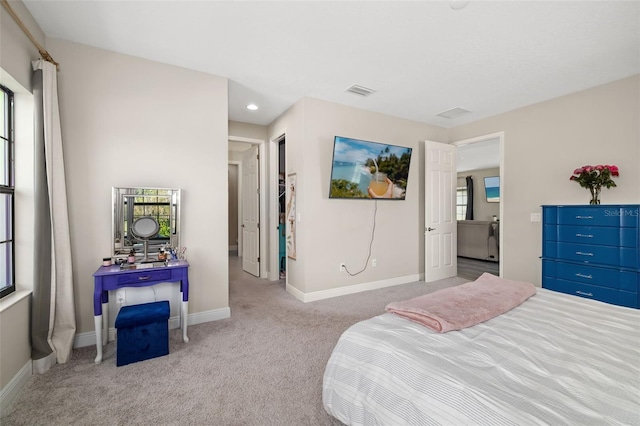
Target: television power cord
x=373, y=231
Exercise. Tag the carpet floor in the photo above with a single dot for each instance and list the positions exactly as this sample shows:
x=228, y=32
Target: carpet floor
x=262, y=366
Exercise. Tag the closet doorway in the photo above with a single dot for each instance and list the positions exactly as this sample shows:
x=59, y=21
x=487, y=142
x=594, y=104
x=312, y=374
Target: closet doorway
x=282, y=187
x=278, y=262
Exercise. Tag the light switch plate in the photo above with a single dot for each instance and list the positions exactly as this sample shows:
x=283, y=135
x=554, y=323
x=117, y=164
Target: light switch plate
x=535, y=217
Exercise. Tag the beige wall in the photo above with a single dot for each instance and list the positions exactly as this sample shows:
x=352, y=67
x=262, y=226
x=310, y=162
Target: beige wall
x=334, y=231
x=15, y=347
x=481, y=209
x=247, y=130
x=16, y=50
x=544, y=143
x=131, y=122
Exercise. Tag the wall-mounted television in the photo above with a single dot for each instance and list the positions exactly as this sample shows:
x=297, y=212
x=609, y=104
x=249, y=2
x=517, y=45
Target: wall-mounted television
x=492, y=189
x=369, y=170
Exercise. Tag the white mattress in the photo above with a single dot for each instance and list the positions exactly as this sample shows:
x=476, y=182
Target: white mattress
x=556, y=359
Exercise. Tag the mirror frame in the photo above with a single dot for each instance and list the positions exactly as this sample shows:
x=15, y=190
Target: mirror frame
x=122, y=240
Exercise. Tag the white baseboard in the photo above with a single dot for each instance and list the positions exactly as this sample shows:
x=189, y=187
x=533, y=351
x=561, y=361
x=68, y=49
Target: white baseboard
x=356, y=288
x=89, y=338
x=9, y=392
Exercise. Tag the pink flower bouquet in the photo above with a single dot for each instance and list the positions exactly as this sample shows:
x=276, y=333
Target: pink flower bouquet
x=594, y=178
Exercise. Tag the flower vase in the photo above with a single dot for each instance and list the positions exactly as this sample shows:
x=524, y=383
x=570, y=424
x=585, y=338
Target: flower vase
x=595, y=194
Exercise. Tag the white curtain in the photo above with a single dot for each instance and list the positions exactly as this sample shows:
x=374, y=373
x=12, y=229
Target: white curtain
x=53, y=311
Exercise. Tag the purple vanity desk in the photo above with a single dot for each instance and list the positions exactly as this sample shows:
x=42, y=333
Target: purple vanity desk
x=109, y=278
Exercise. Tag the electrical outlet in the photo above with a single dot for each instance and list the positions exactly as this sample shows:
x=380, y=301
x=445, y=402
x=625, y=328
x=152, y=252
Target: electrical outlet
x=374, y=262
x=120, y=297
x=343, y=267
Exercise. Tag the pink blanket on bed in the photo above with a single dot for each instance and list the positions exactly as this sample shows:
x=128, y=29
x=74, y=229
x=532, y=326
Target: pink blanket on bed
x=465, y=305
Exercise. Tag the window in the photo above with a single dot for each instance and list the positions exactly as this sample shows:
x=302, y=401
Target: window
x=7, y=189
x=461, y=203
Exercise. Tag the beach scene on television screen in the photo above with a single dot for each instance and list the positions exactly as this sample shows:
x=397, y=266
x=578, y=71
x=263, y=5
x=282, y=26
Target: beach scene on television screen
x=492, y=189
x=369, y=170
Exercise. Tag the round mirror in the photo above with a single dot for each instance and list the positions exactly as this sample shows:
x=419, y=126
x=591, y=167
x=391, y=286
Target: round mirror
x=145, y=227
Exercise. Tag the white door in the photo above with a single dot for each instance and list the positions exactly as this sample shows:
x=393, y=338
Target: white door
x=440, y=233
x=251, y=212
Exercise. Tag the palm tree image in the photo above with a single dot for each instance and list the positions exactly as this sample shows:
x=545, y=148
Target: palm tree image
x=356, y=162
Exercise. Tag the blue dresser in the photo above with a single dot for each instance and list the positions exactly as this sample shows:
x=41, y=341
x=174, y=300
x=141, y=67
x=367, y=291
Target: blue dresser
x=593, y=252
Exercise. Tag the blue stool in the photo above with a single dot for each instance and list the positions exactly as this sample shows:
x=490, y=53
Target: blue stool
x=143, y=332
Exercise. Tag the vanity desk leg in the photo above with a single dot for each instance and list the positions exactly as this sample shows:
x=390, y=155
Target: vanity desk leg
x=105, y=323
x=101, y=317
x=97, y=319
x=101, y=323
x=183, y=320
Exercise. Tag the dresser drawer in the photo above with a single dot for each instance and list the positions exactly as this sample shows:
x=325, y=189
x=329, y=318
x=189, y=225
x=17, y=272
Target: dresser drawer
x=593, y=254
x=594, y=275
x=623, y=216
x=599, y=235
x=143, y=276
x=609, y=295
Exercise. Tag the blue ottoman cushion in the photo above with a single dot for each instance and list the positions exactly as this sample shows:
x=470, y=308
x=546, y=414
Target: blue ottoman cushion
x=143, y=332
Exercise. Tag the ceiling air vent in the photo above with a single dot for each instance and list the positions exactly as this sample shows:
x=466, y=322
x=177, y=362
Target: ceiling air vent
x=453, y=113
x=360, y=90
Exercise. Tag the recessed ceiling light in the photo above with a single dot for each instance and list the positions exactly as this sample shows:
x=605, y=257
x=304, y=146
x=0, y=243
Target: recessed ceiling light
x=252, y=107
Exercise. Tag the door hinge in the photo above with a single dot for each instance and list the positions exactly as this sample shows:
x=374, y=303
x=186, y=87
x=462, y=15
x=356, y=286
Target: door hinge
x=258, y=225
x=258, y=156
x=258, y=258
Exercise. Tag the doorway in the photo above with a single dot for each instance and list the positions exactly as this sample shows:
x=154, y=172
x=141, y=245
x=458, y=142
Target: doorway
x=281, y=194
x=481, y=158
x=234, y=207
x=249, y=212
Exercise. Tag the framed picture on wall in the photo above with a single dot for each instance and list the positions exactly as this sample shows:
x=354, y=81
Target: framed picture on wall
x=291, y=216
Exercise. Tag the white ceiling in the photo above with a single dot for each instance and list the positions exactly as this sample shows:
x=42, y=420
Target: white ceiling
x=422, y=57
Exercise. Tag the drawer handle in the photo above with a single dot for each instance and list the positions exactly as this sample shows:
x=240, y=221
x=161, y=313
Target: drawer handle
x=144, y=278
x=584, y=217
x=579, y=253
x=584, y=294
x=584, y=235
x=584, y=276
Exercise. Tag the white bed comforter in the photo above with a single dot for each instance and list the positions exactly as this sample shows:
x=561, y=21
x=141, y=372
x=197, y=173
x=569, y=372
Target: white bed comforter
x=555, y=359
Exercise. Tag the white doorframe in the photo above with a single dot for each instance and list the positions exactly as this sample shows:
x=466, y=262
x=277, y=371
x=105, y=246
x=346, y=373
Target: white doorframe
x=239, y=165
x=263, y=190
x=500, y=137
x=274, y=267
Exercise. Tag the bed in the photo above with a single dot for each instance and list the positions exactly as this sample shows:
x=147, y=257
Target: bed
x=554, y=360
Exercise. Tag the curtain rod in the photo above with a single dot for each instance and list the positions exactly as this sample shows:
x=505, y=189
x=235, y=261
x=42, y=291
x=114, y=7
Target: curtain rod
x=43, y=52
